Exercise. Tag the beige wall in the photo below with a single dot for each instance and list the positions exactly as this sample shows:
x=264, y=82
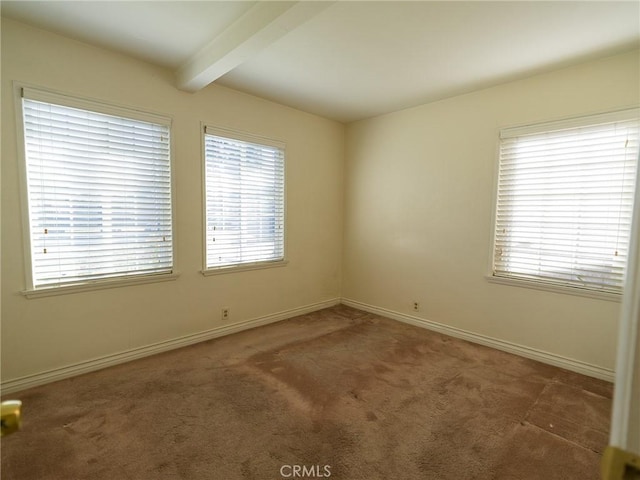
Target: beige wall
x=417, y=207
x=419, y=189
x=48, y=333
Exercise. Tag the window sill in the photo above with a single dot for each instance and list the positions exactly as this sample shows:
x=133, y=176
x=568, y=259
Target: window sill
x=98, y=285
x=243, y=267
x=549, y=287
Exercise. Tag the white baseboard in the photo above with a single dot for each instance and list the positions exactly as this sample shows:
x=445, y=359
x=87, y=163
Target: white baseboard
x=29, y=381
x=22, y=383
x=524, y=351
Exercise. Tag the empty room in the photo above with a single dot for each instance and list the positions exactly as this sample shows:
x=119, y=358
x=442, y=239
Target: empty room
x=334, y=239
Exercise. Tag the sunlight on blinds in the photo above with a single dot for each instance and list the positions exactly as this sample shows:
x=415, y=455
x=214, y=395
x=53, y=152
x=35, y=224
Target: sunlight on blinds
x=565, y=196
x=99, y=189
x=244, y=202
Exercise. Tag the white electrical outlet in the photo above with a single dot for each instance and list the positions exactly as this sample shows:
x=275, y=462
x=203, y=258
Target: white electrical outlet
x=225, y=313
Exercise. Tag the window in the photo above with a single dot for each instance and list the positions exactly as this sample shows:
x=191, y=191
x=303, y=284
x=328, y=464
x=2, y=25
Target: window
x=564, y=202
x=98, y=189
x=244, y=185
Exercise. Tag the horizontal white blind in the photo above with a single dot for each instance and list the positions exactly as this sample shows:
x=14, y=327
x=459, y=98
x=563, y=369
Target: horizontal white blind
x=565, y=195
x=244, y=202
x=99, y=191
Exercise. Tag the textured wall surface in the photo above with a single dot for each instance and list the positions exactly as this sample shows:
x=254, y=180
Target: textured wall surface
x=419, y=199
x=47, y=333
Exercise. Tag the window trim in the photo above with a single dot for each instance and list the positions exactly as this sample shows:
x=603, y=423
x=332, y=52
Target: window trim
x=37, y=92
x=554, y=288
x=246, y=137
x=558, y=287
x=100, y=285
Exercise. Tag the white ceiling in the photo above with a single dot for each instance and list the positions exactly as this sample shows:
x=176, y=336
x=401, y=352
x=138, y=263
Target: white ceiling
x=346, y=60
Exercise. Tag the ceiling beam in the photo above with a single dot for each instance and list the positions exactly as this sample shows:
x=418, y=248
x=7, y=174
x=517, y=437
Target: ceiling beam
x=258, y=28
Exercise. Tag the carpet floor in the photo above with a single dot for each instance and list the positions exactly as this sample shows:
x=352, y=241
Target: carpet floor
x=337, y=393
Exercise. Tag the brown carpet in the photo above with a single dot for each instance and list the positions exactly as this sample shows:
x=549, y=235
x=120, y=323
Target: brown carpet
x=339, y=392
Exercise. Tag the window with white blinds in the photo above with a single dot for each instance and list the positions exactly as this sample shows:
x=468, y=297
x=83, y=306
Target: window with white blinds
x=564, y=202
x=244, y=184
x=99, y=191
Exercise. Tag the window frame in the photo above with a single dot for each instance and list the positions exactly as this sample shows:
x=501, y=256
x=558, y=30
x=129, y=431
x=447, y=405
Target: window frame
x=212, y=129
x=44, y=94
x=530, y=283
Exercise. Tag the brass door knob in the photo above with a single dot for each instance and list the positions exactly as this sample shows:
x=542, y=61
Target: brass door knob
x=11, y=419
